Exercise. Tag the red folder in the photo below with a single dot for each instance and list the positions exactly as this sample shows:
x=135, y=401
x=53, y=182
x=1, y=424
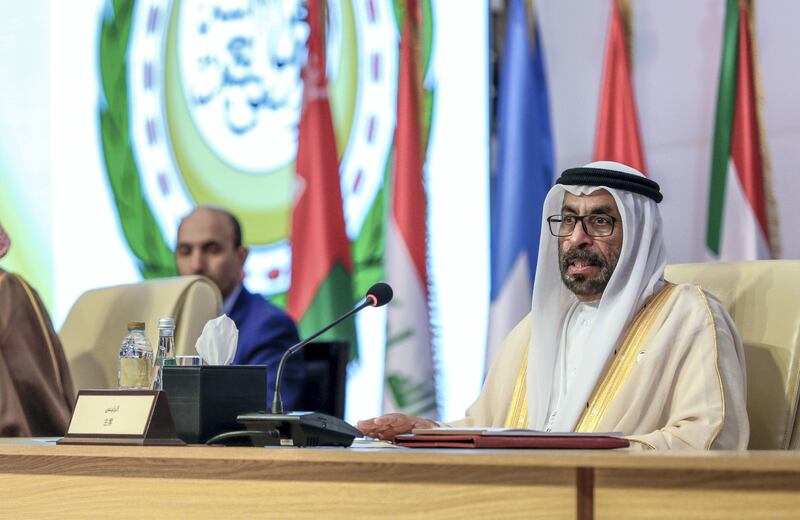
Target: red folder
x=555, y=441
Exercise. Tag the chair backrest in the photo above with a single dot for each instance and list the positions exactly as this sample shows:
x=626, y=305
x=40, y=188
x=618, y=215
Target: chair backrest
x=96, y=323
x=762, y=297
x=326, y=377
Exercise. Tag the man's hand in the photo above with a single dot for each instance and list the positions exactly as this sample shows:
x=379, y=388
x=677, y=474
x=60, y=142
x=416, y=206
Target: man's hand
x=392, y=424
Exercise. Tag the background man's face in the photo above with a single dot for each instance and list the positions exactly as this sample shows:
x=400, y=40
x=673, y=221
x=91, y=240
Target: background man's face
x=206, y=246
x=587, y=262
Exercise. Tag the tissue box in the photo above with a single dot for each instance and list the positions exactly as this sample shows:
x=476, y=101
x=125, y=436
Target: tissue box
x=205, y=400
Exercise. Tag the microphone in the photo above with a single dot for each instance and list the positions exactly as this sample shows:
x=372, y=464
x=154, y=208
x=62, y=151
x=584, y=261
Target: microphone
x=378, y=295
x=310, y=428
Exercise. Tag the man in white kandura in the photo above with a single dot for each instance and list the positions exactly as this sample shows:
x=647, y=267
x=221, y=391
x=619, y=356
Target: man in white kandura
x=609, y=345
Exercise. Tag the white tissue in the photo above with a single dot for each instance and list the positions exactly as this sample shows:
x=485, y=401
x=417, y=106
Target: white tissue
x=217, y=344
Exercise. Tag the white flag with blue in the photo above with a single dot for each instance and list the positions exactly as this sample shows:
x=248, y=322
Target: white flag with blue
x=524, y=175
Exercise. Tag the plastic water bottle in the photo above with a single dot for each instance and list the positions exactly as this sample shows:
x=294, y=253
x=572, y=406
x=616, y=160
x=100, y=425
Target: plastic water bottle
x=136, y=358
x=165, y=354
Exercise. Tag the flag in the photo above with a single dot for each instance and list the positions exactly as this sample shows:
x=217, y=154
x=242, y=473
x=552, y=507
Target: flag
x=409, y=381
x=739, y=227
x=524, y=175
x=618, y=137
x=321, y=268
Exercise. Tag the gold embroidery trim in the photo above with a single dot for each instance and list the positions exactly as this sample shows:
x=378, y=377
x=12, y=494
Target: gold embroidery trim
x=622, y=364
x=644, y=443
x=716, y=367
x=517, y=416
x=45, y=332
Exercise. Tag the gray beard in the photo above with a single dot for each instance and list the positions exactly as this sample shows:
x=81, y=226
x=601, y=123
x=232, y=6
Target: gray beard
x=579, y=284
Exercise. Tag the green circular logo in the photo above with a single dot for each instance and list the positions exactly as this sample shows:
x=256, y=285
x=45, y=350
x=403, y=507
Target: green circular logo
x=213, y=97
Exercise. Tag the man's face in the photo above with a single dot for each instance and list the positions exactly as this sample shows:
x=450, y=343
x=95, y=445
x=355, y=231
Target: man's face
x=587, y=262
x=206, y=246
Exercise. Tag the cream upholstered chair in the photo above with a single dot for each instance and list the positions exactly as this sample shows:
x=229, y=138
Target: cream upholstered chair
x=762, y=297
x=97, y=321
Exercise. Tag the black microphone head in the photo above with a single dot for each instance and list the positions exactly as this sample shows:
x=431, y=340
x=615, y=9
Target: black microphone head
x=380, y=294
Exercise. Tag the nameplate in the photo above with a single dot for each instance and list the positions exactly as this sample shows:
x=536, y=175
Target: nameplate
x=138, y=417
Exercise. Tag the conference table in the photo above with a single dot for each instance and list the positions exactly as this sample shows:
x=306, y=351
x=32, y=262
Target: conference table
x=41, y=480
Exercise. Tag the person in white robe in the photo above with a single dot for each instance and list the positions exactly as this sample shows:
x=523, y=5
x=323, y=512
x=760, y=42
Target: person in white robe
x=609, y=345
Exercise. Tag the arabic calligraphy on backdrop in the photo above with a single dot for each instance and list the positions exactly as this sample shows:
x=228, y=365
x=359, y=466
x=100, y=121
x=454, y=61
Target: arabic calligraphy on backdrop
x=240, y=65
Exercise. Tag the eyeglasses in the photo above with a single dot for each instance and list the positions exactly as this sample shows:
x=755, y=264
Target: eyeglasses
x=596, y=225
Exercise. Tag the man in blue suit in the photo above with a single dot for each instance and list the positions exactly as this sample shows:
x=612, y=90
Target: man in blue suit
x=210, y=243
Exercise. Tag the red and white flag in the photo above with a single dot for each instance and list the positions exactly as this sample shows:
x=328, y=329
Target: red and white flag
x=409, y=376
x=618, y=137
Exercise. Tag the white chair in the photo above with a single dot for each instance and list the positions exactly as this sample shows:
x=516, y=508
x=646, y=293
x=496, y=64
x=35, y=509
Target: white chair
x=96, y=323
x=762, y=297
